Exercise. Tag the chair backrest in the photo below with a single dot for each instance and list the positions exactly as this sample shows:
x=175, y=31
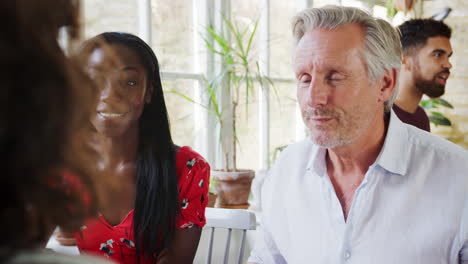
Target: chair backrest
x=230, y=219
x=55, y=246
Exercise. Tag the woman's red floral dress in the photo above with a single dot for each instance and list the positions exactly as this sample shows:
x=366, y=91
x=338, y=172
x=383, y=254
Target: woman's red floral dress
x=98, y=237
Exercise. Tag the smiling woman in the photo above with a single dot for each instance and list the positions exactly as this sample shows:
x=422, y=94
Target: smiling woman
x=122, y=81
x=152, y=193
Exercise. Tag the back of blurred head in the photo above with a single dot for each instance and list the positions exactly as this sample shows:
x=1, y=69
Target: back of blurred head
x=40, y=123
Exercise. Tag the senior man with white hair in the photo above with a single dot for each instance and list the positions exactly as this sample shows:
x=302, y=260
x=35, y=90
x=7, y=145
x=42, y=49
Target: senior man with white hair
x=364, y=187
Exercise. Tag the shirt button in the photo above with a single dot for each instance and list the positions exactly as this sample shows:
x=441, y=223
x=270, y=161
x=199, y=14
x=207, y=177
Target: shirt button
x=347, y=255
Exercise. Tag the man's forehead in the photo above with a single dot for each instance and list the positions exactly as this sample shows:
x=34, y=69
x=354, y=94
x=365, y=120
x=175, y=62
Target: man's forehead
x=346, y=29
x=329, y=43
x=342, y=37
x=439, y=42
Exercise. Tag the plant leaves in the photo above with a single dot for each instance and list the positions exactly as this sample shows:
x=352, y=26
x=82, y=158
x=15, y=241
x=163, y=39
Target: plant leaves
x=443, y=102
x=435, y=103
x=391, y=10
x=222, y=42
x=437, y=114
x=249, y=44
x=426, y=104
x=191, y=100
x=437, y=120
x=239, y=72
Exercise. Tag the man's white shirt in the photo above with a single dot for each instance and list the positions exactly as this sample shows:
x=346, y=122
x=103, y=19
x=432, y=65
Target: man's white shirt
x=412, y=206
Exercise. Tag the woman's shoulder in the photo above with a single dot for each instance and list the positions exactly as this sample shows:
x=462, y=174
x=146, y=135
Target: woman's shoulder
x=186, y=153
x=189, y=162
x=187, y=157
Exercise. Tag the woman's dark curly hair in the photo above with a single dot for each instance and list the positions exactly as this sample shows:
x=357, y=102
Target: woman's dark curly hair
x=40, y=125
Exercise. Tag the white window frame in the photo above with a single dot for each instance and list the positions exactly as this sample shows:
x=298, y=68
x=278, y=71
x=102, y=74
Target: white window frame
x=208, y=11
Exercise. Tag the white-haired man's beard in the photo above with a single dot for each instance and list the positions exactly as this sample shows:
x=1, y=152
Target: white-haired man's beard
x=341, y=130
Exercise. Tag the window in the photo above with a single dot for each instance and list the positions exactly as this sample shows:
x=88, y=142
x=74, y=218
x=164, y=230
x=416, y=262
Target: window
x=175, y=37
x=100, y=16
x=173, y=32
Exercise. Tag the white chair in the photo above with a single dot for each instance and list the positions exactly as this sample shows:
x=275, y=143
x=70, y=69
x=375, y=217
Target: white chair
x=55, y=246
x=230, y=219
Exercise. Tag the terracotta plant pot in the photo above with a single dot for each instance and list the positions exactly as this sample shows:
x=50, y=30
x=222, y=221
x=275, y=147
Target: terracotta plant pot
x=233, y=187
x=211, y=200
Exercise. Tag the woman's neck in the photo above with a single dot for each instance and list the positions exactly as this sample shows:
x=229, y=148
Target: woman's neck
x=116, y=150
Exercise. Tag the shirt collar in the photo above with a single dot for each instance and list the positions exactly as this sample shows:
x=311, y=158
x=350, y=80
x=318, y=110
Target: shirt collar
x=317, y=163
x=394, y=156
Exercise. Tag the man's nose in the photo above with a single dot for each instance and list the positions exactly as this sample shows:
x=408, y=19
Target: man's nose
x=318, y=93
x=447, y=64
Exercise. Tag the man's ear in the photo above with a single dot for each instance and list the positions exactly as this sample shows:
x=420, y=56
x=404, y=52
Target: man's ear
x=388, y=84
x=406, y=62
x=149, y=94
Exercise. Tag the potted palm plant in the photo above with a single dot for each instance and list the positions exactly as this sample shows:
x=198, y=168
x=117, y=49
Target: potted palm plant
x=238, y=75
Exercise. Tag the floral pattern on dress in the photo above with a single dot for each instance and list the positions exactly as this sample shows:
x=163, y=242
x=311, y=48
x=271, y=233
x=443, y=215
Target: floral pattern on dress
x=192, y=197
x=127, y=242
x=107, y=247
x=116, y=242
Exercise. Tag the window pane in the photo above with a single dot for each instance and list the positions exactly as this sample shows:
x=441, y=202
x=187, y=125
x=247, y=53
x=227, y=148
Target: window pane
x=281, y=40
x=249, y=10
x=180, y=111
x=173, y=34
x=102, y=15
x=282, y=117
x=320, y=3
x=282, y=124
x=380, y=12
x=245, y=13
x=247, y=125
x=355, y=3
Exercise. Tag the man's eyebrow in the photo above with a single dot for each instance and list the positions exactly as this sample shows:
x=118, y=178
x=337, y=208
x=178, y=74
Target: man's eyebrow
x=442, y=51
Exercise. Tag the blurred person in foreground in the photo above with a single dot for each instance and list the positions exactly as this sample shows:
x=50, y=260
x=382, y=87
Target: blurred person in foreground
x=46, y=179
x=425, y=68
x=364, y=187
